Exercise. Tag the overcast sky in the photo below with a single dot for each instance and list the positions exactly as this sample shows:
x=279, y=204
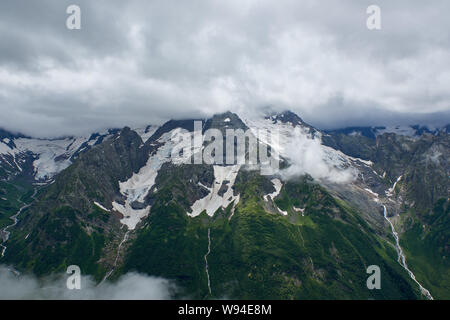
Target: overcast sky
x=143, y=62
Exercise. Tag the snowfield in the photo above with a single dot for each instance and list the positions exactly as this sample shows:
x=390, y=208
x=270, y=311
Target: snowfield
x=52, y=155
x=139, y=185
x=213, y=201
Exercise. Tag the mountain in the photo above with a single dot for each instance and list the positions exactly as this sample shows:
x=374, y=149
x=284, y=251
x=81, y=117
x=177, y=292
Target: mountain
x=41, y=159
x=414, y=131
x=120, y=201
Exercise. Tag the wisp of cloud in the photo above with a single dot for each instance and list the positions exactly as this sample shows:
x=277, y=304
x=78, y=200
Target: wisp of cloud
x=131, y=286
x=307, y=155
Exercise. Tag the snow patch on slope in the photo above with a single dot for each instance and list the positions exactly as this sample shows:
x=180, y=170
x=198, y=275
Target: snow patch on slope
x=271, y=196
x=213, y=201
x=301, y=210
x=131, y=217
x=146, y=133
x=277, y=184
x=53, y=156
x=100, y=206
x=139, y=185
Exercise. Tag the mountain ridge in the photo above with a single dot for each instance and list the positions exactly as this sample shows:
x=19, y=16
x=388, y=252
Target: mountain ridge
x=113, y=191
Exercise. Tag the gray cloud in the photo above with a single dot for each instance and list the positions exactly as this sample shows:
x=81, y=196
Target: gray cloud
x=142, y=62
x=131, y=286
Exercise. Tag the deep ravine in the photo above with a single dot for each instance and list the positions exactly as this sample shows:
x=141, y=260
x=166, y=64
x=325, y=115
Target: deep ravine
x=402, y=258
x=15, y=218
x=125, y=238
x=206, y=259
x=401, y=255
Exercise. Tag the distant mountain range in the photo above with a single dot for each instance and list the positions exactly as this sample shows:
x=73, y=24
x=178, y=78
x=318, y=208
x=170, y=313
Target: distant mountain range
x=116, y=202
x=373, y=132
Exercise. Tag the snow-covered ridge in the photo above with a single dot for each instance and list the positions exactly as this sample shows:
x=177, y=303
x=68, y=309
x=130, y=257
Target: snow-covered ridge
x=51, y=156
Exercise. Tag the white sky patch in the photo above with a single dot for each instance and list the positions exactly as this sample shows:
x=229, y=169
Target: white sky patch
x=213, y=201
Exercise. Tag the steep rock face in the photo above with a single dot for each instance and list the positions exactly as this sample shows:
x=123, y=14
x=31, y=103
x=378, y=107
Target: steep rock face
x=426, y=177
x=357, y=146
x=65, y=223
x=289, y=117
x=227, y=120
x=183, y=184
x=95, y=175
x=422, y=162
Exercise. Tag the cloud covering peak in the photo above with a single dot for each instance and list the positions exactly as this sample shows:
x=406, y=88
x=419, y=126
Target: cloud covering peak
x=143, y=62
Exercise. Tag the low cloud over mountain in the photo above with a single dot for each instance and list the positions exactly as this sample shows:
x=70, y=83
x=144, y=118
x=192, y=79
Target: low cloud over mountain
x=140, y=62
x=130, y=286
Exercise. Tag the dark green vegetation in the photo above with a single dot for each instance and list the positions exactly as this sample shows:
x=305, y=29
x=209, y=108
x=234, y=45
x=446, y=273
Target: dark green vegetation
x=12, y=197
x=57, y=242
x=427, y=247
x=64, y=227
x=422, y=196
x=262, y=255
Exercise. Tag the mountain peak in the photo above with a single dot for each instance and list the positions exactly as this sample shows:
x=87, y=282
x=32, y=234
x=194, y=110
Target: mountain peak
x=227, y=120
x=286, y=117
